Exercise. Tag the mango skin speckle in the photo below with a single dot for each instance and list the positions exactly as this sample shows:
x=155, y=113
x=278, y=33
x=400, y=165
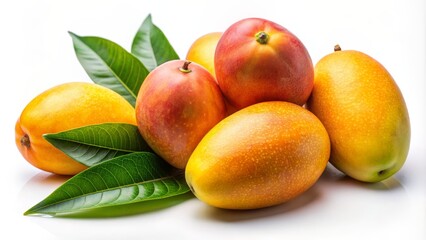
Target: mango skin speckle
x=365, y=115
x=260, y=156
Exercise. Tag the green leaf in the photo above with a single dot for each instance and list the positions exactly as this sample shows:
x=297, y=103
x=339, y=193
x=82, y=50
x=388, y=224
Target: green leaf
x=110, y=65
x=132, y=208
x=131, y=178
x=93, y=144
x=151, y=46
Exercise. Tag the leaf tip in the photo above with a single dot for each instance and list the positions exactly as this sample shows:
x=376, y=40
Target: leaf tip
x=29, y=212
x=49, y=137
x=147, y=21
x=73, y=35
x=33, y=212
x=46, y=136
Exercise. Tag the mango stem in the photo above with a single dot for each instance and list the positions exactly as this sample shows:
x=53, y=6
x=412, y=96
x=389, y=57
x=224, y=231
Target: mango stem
x=25, y=141
x=337, y=48
x=262, y=37
x=185, y=68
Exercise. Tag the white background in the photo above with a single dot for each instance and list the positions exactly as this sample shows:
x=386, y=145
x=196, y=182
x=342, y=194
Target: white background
x=37, y=53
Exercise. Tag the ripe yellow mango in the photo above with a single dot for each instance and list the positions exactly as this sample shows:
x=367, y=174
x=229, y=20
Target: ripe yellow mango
x=260, y=156
x=203, y=49
x=64, y=107
x=364, y=113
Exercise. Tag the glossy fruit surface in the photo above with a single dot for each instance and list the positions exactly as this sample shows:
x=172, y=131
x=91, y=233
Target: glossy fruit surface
x=61, y=108
x=260, y=156
x=202, y=52
x=178, y=103
x=203, y=49
x=364, y=113
x=257, y=60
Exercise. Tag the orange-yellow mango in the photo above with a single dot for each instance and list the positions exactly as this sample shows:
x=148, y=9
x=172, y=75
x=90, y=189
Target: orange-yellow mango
x=61, y=108
x=202, y=51
x=260, y=156
x=365, y=115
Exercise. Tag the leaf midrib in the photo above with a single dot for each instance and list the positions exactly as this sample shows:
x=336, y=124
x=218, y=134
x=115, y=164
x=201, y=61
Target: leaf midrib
x=103, y=61
x=91, y=145
x=148, y=30
x=150, y=44
x=109, y=189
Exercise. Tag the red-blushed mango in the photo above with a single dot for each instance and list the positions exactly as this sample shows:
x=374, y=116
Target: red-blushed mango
x=260, y=156
x=364, y=112
x=202, y=51
x=64, y=107
x=257, y=60
x=177, y=104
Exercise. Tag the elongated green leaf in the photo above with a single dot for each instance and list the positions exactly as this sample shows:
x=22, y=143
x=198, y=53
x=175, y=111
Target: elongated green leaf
x=93, y=144
x=126, y=179
x=151, y=46
x=110, y=65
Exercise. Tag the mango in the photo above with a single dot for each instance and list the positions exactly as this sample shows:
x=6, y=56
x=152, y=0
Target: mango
x=177, y=104
x=202, y=51
x=260, y=156
x=64, y=107
x=257, y=60
x=364, y=113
